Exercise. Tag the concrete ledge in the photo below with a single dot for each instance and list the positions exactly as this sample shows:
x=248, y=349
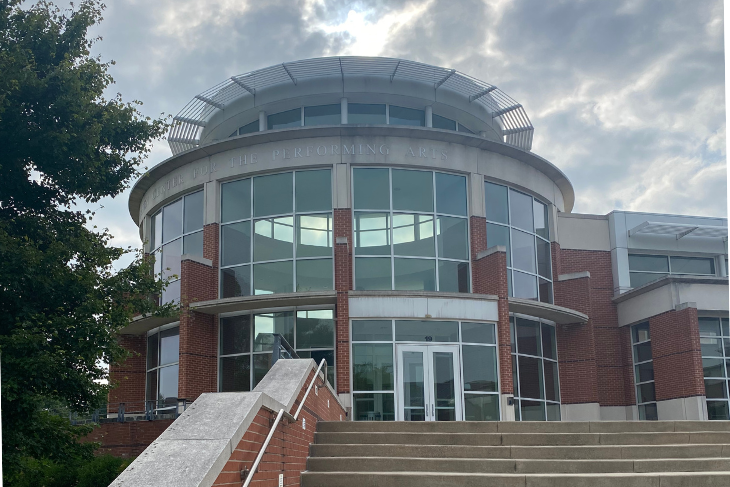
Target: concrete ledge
x=574, y=275
x=423, y=294
x=686, y=305
x=196, y=258
x=243, y=303
x=557, y=314
x=637, y=291
x=143, y=324
x=491, y=250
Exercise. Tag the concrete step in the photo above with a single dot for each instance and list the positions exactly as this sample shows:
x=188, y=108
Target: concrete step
x=524, y=426
x=522, y=452
x=439, y=479
x=522, y=439
x=475, y=465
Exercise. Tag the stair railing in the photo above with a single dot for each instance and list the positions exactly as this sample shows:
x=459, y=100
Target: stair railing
x=282, y=413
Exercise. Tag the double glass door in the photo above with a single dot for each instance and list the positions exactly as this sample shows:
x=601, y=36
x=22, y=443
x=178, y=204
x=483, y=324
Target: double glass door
x=429, y=383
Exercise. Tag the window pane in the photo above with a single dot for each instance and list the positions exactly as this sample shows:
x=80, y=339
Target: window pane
x=372, y=274
x=644, y=372
x=236, y=243
x=718, y=410
x=640, y=332
x=648, y=412
x=453, y=239
x=272, y=278
x=314, y=235
x=236, y=281
x=371, y=188
x=314, y=190
x=373, y=407
x=151, y=390
x=541, y=219
x=552, y=385
x=235, y=334
x=515, y=380
x=272, y=195
x=236, y=200
x=479, y=368
x=420, y=331
x=521, y=210
x=693, y=265
x=314, y=275
x=167, y=393
x=477, y=333
x=553, y=412
x=372, y=367
x=413, y=235
x=193, y=212
x=372, y=234
x=317, y=356
x=523, y=249
x=407, y=116
x=451, y=194
x=645, y=393
x=169, y=346
x=546, y=291
x=532, y=410
x=315, y=329
x=322, y=115
x=713, y=367
x=171, y=293
x=171, y=254
x=642, y=352
x=172, y=221
x=273, y=239
x=156, y=230
x=289, y=118
x=549, y=347
x=725, y=326
x=641, y=278
x=236, y=373
x=372, y=330
x=711, y=347
x=152, y=351
x=361, y=113
x=530, y=374
x=496, y=199
x=524, y=286
x=414, y=274
x=444, y=123
x=543, y=258
x=261, y=365
x=481, y=407
x=412, y=190
x=499, y=235
x=654, y=263
x=193, y=244
x=249, y=128
x=528, y=338
x=453, y=276
x=709, y=326
x=266, y=324
x=716, y=388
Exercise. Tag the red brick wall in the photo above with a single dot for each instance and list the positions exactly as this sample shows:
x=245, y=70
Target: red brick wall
x=129, y=376
x=289, y=447
x=343, y=283
x=676, y=354
x=126, y=439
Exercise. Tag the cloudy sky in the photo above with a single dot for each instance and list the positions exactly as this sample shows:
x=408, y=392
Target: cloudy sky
x=627, y=97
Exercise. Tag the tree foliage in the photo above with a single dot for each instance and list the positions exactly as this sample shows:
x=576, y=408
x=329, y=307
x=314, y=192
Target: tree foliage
x=62, y=144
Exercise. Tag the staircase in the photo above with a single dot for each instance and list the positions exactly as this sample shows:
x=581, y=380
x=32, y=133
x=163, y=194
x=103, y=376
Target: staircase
x=511, y=454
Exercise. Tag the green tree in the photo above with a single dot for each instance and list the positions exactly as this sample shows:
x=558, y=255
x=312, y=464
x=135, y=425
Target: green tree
x=62, y=143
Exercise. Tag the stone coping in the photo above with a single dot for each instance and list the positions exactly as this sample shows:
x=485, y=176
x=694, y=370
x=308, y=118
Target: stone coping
x=421, y=294
x=557, y=314
x=144, y=323
x=668, y=280
x=264, y=301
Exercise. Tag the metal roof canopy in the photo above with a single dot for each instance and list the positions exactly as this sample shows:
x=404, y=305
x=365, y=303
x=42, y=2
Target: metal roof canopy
x=679, y=230
x=188, y=125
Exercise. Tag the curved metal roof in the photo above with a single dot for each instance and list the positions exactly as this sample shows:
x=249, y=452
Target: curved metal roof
x=189, y=123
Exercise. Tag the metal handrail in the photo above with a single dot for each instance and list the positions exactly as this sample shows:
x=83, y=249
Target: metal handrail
x=249, y=476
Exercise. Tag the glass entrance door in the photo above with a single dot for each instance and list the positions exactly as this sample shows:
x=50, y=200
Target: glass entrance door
x=429, y=383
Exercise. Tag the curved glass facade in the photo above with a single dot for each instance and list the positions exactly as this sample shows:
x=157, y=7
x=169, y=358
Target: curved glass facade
x=276, y=234
x=411, y=230
x=176, y=229
x=520, y=222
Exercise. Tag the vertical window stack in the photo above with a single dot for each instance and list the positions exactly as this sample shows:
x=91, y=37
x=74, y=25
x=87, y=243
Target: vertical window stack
x=715, y=344
x=163, y=349
x=643, y=372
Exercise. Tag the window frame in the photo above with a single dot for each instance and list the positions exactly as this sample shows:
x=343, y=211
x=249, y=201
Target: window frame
x=634, y=364
x=156, y=369
x=725, y=359
x=669, y=272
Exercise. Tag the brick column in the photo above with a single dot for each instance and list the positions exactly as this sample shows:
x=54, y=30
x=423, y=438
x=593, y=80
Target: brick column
x=677, y=360
x=343, y=283
x=129, y=376
x=199, y=331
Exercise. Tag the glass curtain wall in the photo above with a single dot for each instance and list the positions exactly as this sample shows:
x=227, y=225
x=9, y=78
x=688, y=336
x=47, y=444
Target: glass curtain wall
x=411, y=230
x=643, y=371
x=163, y=352
x=647, y=268
x=276, y=234
x=373, y=358
x=176, y=229
x=534, y=370
x=520, y=223
x=246, y=343
x=715, y=344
